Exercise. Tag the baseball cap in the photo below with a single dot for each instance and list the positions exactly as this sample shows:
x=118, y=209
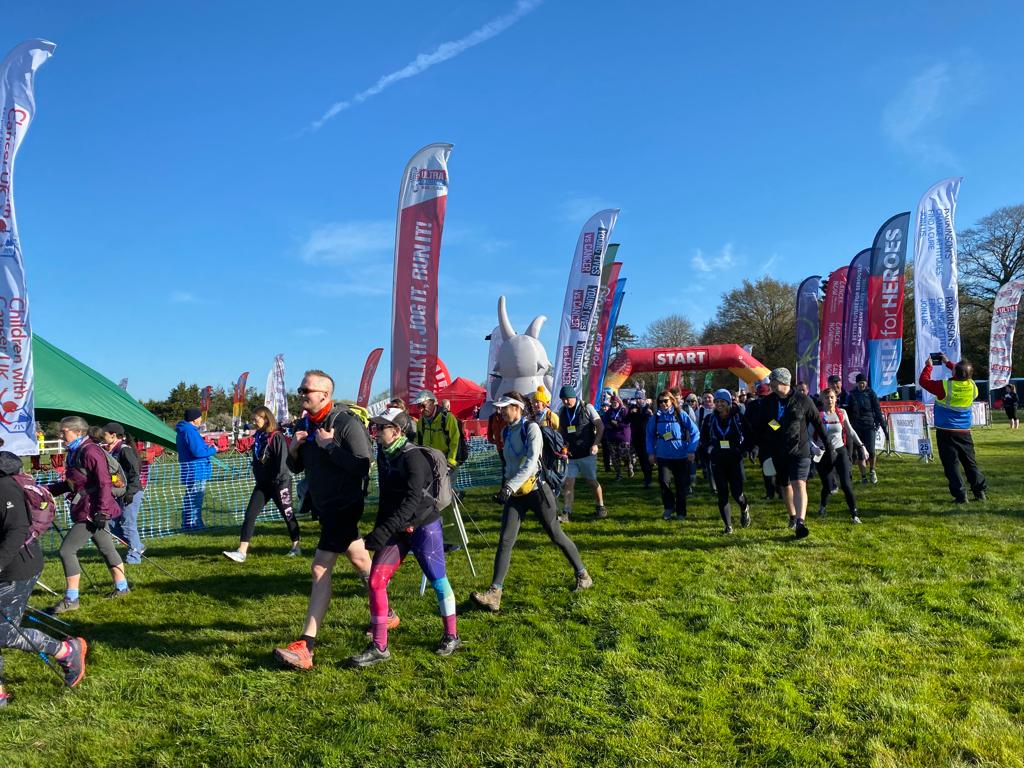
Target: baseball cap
x=392, y=417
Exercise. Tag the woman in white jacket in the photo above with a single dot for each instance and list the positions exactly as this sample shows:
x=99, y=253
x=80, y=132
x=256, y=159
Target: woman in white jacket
x=843, y=438
x=522, y=491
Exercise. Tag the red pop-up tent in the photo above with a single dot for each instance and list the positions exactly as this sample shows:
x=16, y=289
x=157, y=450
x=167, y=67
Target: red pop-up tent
x=464, y=395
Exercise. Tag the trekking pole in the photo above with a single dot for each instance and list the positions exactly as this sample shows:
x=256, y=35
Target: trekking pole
x=48, y=617
x=47, y=627
x=42, y=655
x=147, y=559
x=88, y=578
x=41, y=584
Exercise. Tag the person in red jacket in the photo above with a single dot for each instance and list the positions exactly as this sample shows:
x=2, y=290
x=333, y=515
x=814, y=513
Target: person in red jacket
x=87, y=480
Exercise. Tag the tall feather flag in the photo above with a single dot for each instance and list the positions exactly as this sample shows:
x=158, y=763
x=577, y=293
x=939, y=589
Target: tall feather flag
x=275, y=397
x=808, y=328
x=238, y=399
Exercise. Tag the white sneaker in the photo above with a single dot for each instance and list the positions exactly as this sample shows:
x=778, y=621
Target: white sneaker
x=294, y=552
x=238, y=557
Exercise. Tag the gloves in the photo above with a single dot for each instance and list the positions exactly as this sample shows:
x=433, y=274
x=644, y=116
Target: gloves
x=372, y=542
x=100, y=519
x=503, y=495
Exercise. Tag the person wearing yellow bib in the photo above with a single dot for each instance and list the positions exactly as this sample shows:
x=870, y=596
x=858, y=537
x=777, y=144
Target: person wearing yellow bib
x=524, y=490
x=953, y=420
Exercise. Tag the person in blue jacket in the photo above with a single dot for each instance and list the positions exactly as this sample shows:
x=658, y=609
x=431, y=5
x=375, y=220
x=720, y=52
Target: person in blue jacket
x=672, y=440
x=194, y=457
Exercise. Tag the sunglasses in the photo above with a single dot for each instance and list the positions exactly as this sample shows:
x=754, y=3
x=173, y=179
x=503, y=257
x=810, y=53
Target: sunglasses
x=662, y=402
x=308, y=391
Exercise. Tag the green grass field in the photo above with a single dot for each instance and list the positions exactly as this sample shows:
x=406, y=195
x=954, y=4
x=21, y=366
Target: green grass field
x=894, y=643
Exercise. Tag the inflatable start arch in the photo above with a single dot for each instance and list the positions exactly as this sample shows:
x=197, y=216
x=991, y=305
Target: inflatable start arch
x=732, y=356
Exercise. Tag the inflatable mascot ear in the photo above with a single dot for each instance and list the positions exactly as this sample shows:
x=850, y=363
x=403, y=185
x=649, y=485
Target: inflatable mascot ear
x=522, y=362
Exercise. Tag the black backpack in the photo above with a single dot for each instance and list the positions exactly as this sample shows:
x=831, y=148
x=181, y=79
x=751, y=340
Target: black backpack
x=554, y=458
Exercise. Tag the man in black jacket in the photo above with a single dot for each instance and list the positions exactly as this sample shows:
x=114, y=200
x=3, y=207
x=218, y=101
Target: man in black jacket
x=407, y=520
x=866, y=417
x=20, y=566
x=126, y=526
x=782, y=421
x=333, y=448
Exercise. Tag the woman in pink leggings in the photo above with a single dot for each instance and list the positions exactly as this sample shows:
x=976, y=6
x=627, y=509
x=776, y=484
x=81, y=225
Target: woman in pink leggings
x=406, y=521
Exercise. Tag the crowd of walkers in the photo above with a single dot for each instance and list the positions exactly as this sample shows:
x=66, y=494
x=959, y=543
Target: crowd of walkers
x=543, y=451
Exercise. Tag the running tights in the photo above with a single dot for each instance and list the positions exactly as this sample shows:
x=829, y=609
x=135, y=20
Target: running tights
x=727, y=471
x=13, y=600
x=427, y=545
x=842, y=469
x=75, y=540
x=540, y=501
x=282, y=498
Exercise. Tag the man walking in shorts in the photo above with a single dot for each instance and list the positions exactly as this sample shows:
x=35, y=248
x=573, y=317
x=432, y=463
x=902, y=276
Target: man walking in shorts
x=331, y=445
x=582, y=430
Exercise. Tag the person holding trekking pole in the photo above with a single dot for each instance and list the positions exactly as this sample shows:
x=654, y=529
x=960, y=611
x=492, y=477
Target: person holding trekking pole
x=89, y=479
x=524, y=490
x=21, y=562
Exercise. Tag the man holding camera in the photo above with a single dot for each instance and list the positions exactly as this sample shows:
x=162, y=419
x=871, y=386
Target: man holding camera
x=953, y=420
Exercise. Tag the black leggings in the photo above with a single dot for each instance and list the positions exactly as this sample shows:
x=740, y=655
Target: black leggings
x=678, y=470
x=75, y=540
x=282, y=497
x=640, y=451
x=727, y=472
x=541, y=502
x=842, y=467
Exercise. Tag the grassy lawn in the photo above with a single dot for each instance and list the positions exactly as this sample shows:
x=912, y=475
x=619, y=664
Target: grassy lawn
x=893, y=643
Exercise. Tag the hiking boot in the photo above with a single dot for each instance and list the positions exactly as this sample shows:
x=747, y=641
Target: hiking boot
x=979, y=495
x=874, y=478
x=64, y=606
x=234, y=554
x=491, y=599
x=295, y=551
x=393, y=622
x=296, y=655
x=583, y=581
x=801, y=530
x=372, y=655
x=745, y=516
x=792, y=522
x=600, y=512
x=449, y=644
x=114, y=594
x=667, y=514
x=74, y=663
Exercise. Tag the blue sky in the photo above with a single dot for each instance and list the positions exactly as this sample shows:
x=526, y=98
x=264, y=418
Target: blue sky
x=186, y=212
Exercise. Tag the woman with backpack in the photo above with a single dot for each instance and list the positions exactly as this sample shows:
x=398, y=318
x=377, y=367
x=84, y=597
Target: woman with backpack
x=90, y=480
x=724, y=439
x=672, y=440
x=21, y=562
x=273, y=483
x=841, y=436
x=525, y=490
x=618, y=432
x=407, y=521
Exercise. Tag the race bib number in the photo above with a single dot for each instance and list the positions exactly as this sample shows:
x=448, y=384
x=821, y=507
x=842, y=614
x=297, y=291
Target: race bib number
x=724, y=445
x=571, y=430
x=666, y=436
x=774, y=424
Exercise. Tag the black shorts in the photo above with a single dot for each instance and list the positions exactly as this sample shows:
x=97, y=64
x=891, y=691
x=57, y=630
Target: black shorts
x=789, y=468
x=339, y=528
x=867, y=436
x=1011, y=412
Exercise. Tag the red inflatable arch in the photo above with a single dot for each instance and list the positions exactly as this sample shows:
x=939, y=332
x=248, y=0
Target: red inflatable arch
x=732, y=356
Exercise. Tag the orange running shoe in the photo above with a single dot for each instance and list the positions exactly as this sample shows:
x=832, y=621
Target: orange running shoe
x=296, y=655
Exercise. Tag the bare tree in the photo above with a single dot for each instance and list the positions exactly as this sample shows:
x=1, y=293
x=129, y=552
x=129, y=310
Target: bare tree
x=670, y=331
x=991, y=253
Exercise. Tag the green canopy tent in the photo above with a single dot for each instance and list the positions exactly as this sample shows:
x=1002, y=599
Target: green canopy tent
x=65, y=386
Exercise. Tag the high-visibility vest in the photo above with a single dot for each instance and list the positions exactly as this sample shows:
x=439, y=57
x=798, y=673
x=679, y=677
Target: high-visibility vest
x=954, y=410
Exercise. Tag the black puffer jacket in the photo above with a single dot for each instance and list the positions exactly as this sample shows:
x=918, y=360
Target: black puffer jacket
x=405, y=479
x=17, y=562
x=793, y=415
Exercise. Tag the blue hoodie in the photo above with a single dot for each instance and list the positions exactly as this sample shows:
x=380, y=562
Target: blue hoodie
x=684, y=438
x=193, y=453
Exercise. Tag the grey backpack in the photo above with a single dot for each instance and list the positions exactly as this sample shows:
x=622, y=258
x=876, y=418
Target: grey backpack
x=441, y=485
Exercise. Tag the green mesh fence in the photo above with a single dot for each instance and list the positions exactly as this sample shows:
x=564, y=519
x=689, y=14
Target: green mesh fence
x=229, y=488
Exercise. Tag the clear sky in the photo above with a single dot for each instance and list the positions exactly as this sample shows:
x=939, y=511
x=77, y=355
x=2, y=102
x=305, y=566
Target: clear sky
x=207, y=184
